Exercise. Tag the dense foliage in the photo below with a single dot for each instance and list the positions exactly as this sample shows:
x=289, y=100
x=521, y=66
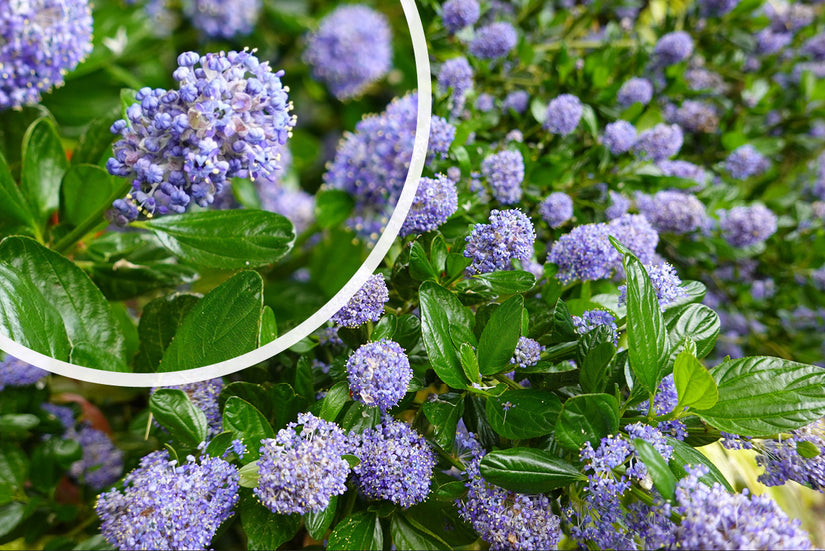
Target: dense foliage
x=614, y=268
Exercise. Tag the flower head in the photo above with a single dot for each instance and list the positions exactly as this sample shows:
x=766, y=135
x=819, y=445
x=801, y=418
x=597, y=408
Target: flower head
x=493, y=246
x=457, y=14
x=744, y=226
x=563, y=114
x=505, y=173
x=379, y=373
x=223, y=18
x=367, y=304
x=102, y=462
x=516, y=100
x=686, y=170
x=204, y=395
x=635, y=90
x=456, y=75
x=666, y=284
x=660, y=142
x=697, y=116
x=527, y=353
x=556, y=209
x=15, y=372
x=619, y=137
x=351, y=49
x=745, y=161
x=493, y=41
x=673, y=211
x=436, y=199
x=673, y=48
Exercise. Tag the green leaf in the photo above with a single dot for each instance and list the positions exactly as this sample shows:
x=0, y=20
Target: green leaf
x=11, y=515
x=304, y=385
x=444, y=414
x=587, y=418
x=694, y=384
x=698, y=322
x=334, y=401
x=17, y=424
x=596, y=359
x=807, y=449
x=356, y=417
x=318, y=523
x=127, y=98
x=246, y=193
x=529, y=413
x=247, y=424
x=332, y=206
x=507, y=282
x=385, y=328
x=173, y=410
x=264, y=529
x=408, y=534
x=222, y=325
x=648, y=347
x=269, y=327
x=49, y=462
x=441, y=310
x=14, y=466
x=358, y=531
x=285, y=404
x=126, y=281
x=248, y=475
x=253, y=393
x=528, y=470
x=500, y=336
x=761, y=395
x=420, y=267
x=555, y=323
x=684, y=454
x=27, y=318
x=158, y=324
x=657, y=468
x=84, y=190
x=91, y=354
x=14, y=211
x=85, y=312
x=469, y=362
x=96, y=141
x=44, y=163
x=219, y=444
x=225, y=239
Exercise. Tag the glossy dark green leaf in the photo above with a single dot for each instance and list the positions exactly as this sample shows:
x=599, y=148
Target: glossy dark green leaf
x=355, y=417
x=253, y=393
x=520, y=414
x=648, y=346
x=246, y=193
x=469, y=362
x=14, y=465
x=444, y=414
x=17, y=423
x=44, y=163
x=129, y=281
x=224, y=324
x=285, y=404
x=304, y=385
x=507, y=282
x=96, y=141
x=334, y=401
x=596, y=353
x=247, y=424
x=173, y=410
x=91, y=354
x=587, y=418
x=698, y=322
x=695, y=386
x=219, y=444
x=15, y=214
x=11, y=515
x=500, y=336
x=49, y=462
x=158, y=324
x=657, y=468
x=385, y=328
x=683, y=455
x=528, y=470
x=409, y=534
x=695, y=292
x=269, y=327
x=551, y=324
x=439, y=253
x=225, y=239
x=84, y=190
x=332, y=206
x=761, y=395
x=420, y=266
x=359, y=531
x=86, y=314
x=440, y=309
x=264, y=529
x=318, y=523
x=27, y=318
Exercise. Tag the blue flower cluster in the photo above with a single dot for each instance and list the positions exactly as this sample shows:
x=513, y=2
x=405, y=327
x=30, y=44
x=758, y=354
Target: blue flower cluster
x=456, y=75
x=590, y=319
x=563, y=114
x=783, y=461
x=660, y=142
x=367, y=304
x=744, y=226
x=508, y=236
x=556, y=209
x=457, y=14
x=673, y=211
x=301, y=468
x=436, y=199
x=102, y=461
x=16, y=372
x=686, y=170
x=164, y=505
x=504, y=172
x=696, y=116
x=351, y=49
x=223, y=18
x=379, y=373
x=493, y=41
x=516, y=100
x=40, y=41
x=673, y=48
x=204, y=395
x=396, y=463
x=635, y=90
x=665, y=282
x=619, y=137
x=527, y=353
x=745, y=161
x=229, y=118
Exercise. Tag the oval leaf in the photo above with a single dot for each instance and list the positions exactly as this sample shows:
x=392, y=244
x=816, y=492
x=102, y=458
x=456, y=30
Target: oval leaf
x=359, y=531
x=173, y=410
x=528, y=470
x=500, y=337
x=519, y=414
x=247, y=424
x=44, y=163
x=439, y=307
x=587, y=418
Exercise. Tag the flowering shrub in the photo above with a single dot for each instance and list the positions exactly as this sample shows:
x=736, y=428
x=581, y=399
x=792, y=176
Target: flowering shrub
x=599, y=327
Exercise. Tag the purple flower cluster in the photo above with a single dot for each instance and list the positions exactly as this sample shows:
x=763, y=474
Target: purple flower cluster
x=665, y=282
x=516, y=100
x=504, y=172
x=457, y=14
x=164, y=505
x=619, y=205
x=229, y=118
x=783, y=462
x=673, y=48
x=590, y=319
x=396, y=463
x=351, y=49
x=379, y=373
x=660, y=142
x=301, y=468
x=712, y=518
x=673, y=211
x=505, y=519
x=788, y=17
x=769, y=42
x=223, y=18
x=563, y=114
x=63, y=414
x=40, y=41
x=527, y=353
x=745, y=161
x=686, y=170
x=371, y=164
x=702, y=79
x=696, y=116
x=436, y=199
x=664, y=402
x=15, y=372
x=204, y=395
x=717, y=8
x=102, y=461
x=635, y=90
x=456, y=75
x=586, y=254
x=367, y=304
x=556, y=209
x=493, y=41
x=509, y=235
x=744, y=226
x=619, y=137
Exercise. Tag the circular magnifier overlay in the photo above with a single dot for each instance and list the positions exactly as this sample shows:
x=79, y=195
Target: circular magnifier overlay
x=375, y=228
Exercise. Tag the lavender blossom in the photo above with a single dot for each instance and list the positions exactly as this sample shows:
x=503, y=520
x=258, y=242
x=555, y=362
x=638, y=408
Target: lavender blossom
x=223, y=18
x=493, y=41
x=509, y=235
x=504, y=172
x=673, y=211
x=350, y=50
x=697, y=116
x=659, y=143
x=563, y=114
x=15, y=372
x=367, y=304
x=204, y=395
x=556, y=209
x=591, y=319
x=516, y=100
x=717, y=8
x=635, y=90
x=673, y=48
x=783, y=461
x=769, y=42
x=619, y=137
x=102, y=462
x=457, y=14
x=686, y=170
x=666, y=284
x=456, y=75
x=527, y=353
x=745, y=161
x=379, y=374
x=619, y=205
x=436, y=199
x=745, y=226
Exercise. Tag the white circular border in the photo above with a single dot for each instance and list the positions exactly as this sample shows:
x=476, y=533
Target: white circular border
x=422, y=132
